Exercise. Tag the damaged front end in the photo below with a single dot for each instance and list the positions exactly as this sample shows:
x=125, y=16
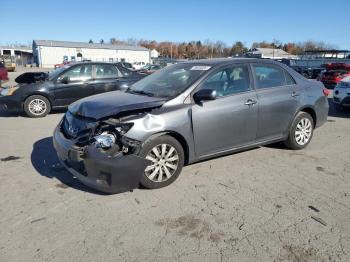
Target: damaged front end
x=98, y=153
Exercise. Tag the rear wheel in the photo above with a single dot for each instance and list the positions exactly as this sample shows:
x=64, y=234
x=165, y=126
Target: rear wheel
x=37, y=106
x=167, y=159
x=301, y=131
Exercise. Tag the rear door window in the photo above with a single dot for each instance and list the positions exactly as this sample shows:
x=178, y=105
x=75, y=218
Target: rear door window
x=270, y=76
x=106, y=71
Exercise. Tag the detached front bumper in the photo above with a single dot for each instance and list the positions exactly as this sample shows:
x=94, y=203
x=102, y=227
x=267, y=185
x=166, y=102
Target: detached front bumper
x=98, y=170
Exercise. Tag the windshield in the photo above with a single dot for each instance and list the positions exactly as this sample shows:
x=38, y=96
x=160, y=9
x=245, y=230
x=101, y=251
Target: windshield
x=53, y=74
x=170, y=81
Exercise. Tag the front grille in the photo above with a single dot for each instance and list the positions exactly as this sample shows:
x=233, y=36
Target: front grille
x=77, y=128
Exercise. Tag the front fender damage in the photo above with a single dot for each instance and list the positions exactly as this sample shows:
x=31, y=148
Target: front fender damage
x=120, y=168
x=112, y=170
x=110, y=173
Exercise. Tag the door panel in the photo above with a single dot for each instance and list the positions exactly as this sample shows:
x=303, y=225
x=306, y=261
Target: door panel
x=224, y=123
x=104, y=85
x=278, y=96
x=73, y=84
x=65, y=94
x=231, y=119
x=277, y=107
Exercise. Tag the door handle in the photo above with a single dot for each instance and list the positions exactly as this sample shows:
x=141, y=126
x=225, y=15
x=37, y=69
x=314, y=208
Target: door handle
x=250, y=102
x=295, y=94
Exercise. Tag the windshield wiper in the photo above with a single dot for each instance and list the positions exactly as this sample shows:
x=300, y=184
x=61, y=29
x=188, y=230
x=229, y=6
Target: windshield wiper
x=140, y=92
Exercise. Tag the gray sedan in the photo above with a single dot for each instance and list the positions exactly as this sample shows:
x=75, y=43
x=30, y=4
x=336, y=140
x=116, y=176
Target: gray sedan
x=185, y=113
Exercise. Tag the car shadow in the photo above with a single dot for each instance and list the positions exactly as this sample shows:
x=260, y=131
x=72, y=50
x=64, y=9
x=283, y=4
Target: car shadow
x=334, y=113
x=45, y=161
x=4, y=113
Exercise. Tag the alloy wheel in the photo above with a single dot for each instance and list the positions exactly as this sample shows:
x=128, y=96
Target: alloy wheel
x=303, y=131
x=165, y=160
x=37, y=107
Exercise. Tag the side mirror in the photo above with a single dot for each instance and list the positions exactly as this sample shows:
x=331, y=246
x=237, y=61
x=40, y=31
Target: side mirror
x=204, y=95
x=65, y=80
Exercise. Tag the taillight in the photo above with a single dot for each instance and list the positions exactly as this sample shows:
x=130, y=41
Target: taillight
x=338, y=79
x=325, y=91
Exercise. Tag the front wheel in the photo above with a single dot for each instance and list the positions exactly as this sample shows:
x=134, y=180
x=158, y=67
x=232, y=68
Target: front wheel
x=37, y=106
x=300, y=132
x=167, y=159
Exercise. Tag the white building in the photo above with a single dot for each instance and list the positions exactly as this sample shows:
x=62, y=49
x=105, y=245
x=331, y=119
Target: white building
x=154, y=53
x=47, y=53
x=21, y=55
x=272, y=53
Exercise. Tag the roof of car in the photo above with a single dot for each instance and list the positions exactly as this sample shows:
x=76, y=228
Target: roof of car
x=212, y=62
x=222, y=61
x=91, y=62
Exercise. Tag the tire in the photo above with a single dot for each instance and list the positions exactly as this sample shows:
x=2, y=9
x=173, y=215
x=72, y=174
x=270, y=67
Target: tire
x=303, y=124
x=35, y=112
x=166, y=170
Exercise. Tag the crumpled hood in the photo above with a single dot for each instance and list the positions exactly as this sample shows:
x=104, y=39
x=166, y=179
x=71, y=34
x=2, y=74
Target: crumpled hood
x=112, y=103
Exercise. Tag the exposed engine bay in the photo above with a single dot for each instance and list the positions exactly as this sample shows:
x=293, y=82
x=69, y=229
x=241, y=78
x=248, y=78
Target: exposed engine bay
x=107, y=135
x=99, y=153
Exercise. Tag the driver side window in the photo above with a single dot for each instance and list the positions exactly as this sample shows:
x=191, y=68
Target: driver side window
x=78, y=73
x=228, y=81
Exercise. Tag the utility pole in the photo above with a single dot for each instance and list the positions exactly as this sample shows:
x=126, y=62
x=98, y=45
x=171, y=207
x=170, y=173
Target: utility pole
x=171, y=52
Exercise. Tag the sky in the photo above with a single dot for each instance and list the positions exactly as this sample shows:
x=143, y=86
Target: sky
x=176, y=21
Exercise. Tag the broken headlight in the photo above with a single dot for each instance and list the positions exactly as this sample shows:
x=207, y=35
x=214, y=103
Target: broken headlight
x=109, y=135
x=124, y=128
x=8, y=91
x=105, y=140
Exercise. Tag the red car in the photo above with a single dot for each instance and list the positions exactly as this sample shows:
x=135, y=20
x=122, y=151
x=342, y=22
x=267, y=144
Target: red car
x=334, y=73
x=62, y=65
x=149, y=69
x=3, y=73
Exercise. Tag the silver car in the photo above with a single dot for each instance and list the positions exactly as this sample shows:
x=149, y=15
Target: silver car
x=185, y=113
x=341, y=94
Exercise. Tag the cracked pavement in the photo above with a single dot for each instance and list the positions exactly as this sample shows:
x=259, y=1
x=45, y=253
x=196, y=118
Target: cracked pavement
x=265, y=204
